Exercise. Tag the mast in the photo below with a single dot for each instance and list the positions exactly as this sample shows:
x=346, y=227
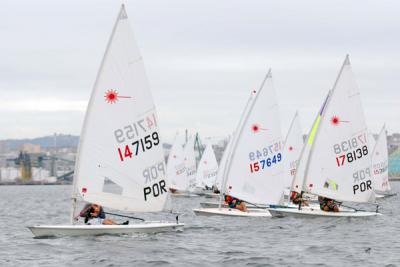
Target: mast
x=121, y=15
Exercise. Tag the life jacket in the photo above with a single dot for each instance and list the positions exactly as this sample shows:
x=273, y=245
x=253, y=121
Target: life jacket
x=228, y=199
x=294, y=195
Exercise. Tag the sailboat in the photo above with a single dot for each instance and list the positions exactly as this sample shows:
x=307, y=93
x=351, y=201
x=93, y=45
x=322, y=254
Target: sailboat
x=380, y=172
x=176, y=169
x=120, y=142
x=291, y=153
x=254, y=168
x=336, y=160
x=190, y=163
x=206, y=171
x=217, y=186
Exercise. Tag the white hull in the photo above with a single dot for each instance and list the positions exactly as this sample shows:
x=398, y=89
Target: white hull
x=232, y=212
x=310, y=212
x=90, y=230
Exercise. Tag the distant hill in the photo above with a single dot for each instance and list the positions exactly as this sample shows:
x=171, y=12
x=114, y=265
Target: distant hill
x=63, y=140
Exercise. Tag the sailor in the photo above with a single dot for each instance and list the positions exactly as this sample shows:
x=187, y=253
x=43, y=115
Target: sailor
x=296, y=198
x=235, y=203
x=95, y=215
x=215, y=189
x=327, y=204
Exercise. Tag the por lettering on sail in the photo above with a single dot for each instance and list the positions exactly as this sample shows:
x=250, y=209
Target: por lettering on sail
x=152, y=175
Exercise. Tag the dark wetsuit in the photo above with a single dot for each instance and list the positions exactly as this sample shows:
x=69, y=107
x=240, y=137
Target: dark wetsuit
x=295, y=197
x=327, y=202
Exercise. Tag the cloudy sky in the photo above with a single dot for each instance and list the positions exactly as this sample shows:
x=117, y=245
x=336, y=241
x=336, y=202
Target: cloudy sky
x=202, y=58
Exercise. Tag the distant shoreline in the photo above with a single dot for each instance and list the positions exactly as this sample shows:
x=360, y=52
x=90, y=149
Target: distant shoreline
x=34, y=183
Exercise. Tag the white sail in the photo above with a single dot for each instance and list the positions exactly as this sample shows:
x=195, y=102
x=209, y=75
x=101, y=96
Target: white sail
x=380, y=170
x=371, y=140
x=176, y=169
x=120, y=139
x=339, y=166
x=255, y=169
x=207, y=169
x=297, y=183
x=292, y=149
x=190, y=163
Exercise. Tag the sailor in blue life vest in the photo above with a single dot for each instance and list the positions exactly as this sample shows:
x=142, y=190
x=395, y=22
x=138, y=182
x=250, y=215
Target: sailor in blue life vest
x=235, y=203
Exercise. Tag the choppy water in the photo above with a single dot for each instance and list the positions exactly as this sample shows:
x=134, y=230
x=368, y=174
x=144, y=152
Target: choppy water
x=206, y=241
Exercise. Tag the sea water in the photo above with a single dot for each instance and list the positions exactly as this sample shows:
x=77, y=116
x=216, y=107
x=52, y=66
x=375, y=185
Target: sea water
x=206, y=241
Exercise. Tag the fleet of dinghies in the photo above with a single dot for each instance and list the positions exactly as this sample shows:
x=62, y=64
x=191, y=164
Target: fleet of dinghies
x=188, y=179
x=121, y=143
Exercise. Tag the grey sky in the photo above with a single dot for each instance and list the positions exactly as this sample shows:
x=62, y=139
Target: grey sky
x=202, y=59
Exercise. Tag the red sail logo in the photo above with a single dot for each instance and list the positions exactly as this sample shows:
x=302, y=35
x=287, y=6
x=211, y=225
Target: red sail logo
x=336, y=121
x=256, y=128
x=112, y=96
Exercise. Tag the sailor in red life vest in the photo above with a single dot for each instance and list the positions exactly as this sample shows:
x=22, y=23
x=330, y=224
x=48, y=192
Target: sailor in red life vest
x=235, y=203
x=296, y=199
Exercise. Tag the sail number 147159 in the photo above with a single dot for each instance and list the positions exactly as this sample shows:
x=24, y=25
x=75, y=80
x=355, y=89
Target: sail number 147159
x=139, y=146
